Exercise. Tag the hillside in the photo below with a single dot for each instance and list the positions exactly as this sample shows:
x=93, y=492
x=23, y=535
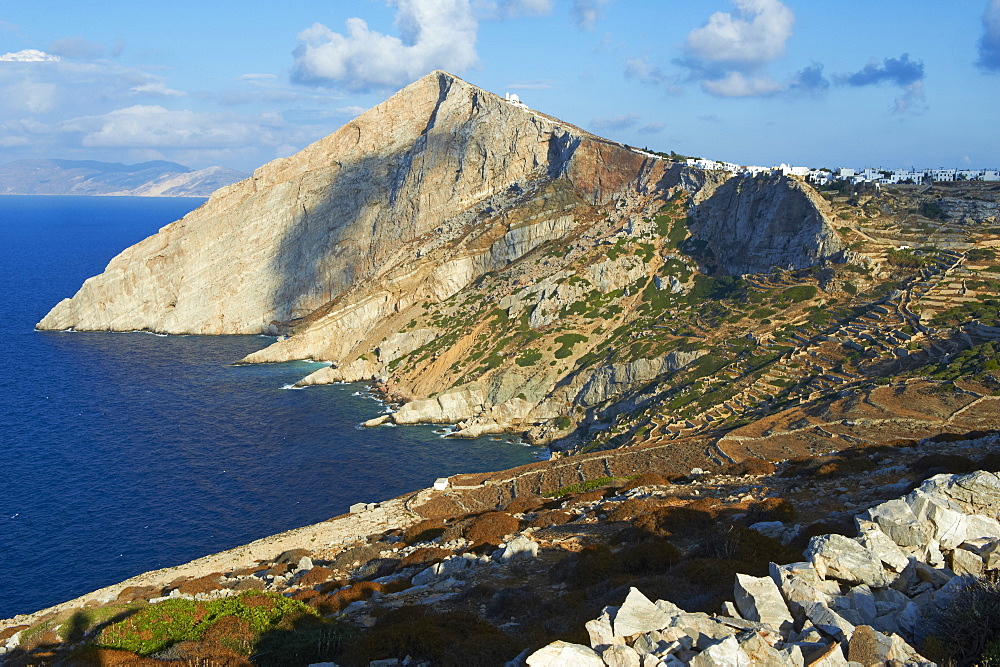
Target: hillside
x=418, y=577
x=88, y=177
x=491, y=268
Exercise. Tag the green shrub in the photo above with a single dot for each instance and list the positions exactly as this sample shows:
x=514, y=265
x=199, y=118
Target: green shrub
x=528, y=358
x=582, y=487
x=491, y=528
x=906, y=259
x=967, y=631
x=158, y=626
x=933, y=210
x=567, y=341
x=798, y=293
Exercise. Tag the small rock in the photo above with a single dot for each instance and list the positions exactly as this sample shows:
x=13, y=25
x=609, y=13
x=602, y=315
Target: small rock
x=978, y=527
x=759, y=599
x=962, y=562
x=949, y=526
x=896, y=519
x=829, y=621
x=519, y=547
x=601, y=634
x=564, y=654
x=647, y=642
x=726, y=653
x=863, y=604
x=832, y=656
x=729, y=609
x=880, y=544
x=619, y=655
x=759, y=650
x=637, y=614
x=845, y=559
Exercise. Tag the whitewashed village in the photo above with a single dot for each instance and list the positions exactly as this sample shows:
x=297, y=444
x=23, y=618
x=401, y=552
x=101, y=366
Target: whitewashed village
x=878, y=175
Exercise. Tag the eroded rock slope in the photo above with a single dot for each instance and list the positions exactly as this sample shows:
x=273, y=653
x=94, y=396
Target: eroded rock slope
x=484, y=262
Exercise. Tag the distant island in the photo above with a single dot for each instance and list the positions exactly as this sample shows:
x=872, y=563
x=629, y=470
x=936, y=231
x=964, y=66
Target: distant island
x=158, y=178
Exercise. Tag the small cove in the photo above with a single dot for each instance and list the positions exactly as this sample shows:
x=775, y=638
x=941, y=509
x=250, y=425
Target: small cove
x=130, y=452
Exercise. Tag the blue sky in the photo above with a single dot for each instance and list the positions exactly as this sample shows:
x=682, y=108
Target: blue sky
x=888, y=83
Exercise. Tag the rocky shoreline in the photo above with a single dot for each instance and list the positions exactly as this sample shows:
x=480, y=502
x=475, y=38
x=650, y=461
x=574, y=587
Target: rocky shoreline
x=423, y=552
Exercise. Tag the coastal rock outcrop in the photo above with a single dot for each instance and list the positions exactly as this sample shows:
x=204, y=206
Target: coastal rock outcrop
x=447, y=239
x=867, y=599
x=352, y=207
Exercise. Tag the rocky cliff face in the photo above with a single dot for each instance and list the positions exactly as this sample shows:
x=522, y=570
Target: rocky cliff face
x=360, y=205
x=755, y=224
x=484, y=262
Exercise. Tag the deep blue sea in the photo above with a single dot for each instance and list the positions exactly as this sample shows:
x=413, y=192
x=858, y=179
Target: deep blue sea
x=123, y=453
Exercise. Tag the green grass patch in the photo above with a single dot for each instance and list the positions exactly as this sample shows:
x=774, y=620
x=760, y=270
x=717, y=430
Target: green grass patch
x=158, y=626
x=798, y=293
x=528, y=358
x=981, y=254
x=583, y=487
x=566, y=342
x=906, y=259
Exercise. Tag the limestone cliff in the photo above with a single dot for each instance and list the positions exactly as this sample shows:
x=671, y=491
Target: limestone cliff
x=754, y=224
x=360, y=205
x=486, y=264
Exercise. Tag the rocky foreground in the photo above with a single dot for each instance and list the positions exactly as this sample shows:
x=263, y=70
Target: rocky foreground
x=812, y=561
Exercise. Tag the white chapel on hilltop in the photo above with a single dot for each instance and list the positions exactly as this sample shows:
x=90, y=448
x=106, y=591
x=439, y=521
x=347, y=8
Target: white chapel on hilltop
x=512, y=98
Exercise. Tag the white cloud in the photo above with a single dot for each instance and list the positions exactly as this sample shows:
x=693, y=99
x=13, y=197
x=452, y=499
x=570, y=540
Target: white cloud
x=33, y=97
x=620, y=122
x=730, y=52
x=507, y=9
x=59, y=87
x=157, y=88
x=434, y=34
x=735, y=84
x=640, y=68
x=989, y=42
x=285, y=150
x=587, y=12
x=29, y=56
x=756, y=36
x=153, y=126
x=912, y=100
x=103, y=110
x=256, y=77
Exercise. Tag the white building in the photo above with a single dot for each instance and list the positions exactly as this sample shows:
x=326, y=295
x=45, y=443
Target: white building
x=512, y=98
x=941, y=174
x=820, y=176
x=712, y=165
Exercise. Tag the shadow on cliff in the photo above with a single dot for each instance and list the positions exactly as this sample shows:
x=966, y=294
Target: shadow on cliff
x=313, y=263
x=753, y=224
